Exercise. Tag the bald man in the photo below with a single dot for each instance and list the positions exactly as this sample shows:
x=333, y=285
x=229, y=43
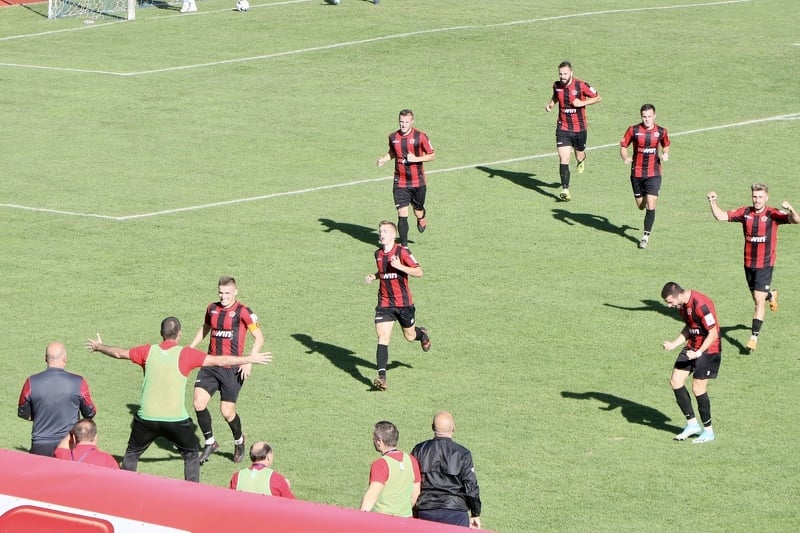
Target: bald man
x=260, y=477
x=449, y=492
x=54, y=400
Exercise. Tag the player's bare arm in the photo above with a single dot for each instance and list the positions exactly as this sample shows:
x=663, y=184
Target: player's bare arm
x=795, y=217
x=201, y=334
x=96, y=345
x=718, y=213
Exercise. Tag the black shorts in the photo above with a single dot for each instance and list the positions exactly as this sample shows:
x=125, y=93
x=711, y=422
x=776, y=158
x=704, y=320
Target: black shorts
x=758, y=279
x=570, y=138
x=404, y=196
x=404, y=315
x=704, y=367
x=646, y=186
x=225, y=380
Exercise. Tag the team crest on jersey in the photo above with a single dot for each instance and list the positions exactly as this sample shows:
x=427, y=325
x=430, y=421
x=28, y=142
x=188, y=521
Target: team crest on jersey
x=231, y=314
x=764, y=218
x=655, y=134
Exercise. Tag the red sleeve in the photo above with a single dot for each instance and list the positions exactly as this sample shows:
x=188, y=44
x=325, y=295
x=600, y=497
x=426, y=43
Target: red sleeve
x=628, y=137
x=63, y=453
x=138, y=354
x=25, y=394
x=234, y=480
x=427, y=147
x=407, y=258
x=190, y=359
x=379, y=471
x=88, y=409
x=278, y=486
x=415, y=466
x=664, y=137
x=781, y=217
x=736, y=214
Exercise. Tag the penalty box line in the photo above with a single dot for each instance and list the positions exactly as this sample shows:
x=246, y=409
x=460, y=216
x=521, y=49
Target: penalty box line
x=789, y=116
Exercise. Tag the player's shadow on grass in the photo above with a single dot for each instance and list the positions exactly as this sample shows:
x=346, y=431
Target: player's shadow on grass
x=161, y=442
x=595, y=222
x=635, y=413
x=658, y=307
x=342, y=358
x=524, y=179
x=361, y=233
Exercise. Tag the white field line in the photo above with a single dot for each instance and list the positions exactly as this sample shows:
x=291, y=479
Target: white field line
x=374, y=39
x=790, y=116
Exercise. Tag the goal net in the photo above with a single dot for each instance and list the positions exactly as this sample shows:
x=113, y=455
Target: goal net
x=92, y=9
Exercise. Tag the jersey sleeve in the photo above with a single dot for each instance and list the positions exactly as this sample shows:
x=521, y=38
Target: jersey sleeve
x=24, y=407
x=190, y=359
x=736, y=215
x=278, y=486
x=379, y=472
x=407, y=258
x=427, y=146
x=664, y=138
x=627, y=138
x=88, y=409
x=138, y=354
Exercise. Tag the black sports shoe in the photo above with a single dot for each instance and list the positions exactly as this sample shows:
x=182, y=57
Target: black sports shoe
x=425, y=341
x=422, y=225
x=238, y=451
x=208, y=450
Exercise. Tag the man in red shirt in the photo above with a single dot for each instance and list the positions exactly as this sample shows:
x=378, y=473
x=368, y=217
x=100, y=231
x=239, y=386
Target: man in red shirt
x=701, y=355
x=410, y=148
x=260, y=477
x=571, y=95
x=80, y=446
x=227, y=323
x=395, y=263
x=760, y=227
x=162, y=409
x=646, y=138
x=394, y=478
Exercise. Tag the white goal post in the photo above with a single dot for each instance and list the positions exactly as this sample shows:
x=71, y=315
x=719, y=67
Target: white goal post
x=92, y=9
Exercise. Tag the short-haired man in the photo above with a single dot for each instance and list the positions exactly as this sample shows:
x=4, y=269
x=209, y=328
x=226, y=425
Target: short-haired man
x=394, y=478
x=395, y=264
x=760, y=227
x=227, y=323
x=701, y=355
x=80, y=446
x=54, y=400
x=410, y=148
x=645, y=139
x=449, y=492
x=572, y=96
x=260, y=477
x=162, y=409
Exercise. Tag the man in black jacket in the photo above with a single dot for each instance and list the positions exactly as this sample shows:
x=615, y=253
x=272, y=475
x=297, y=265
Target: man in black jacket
x=450, y=492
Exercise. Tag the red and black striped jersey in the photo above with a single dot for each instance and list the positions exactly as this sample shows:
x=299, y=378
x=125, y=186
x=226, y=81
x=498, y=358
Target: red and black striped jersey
x=700, y=316
x=394, y=290
x=646, y=162
x=409, y=175
x=571, y=118
x=760, y=234
x=228, y=328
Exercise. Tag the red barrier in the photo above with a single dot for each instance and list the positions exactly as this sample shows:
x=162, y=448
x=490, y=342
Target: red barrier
x=43, y=494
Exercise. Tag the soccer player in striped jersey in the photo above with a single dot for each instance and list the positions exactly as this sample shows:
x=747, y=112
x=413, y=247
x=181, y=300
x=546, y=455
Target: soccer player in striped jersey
x=760, y=227
x=410, y=148
x=701, y=355
x=395, y=264
x=571, y=95
x=227, y=323
x=645, y=138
